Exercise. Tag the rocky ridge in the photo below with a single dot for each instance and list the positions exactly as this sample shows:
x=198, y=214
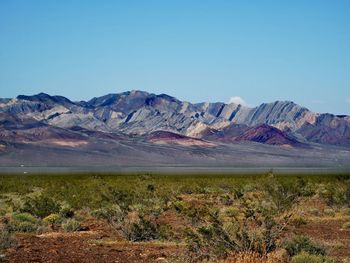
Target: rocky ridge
x=138, y=113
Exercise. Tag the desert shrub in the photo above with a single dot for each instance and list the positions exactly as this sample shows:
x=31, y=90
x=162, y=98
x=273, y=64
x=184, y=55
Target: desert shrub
x=347, y=196
x=156, y=206
x=190, y=189
x=261, y=238
x=143, y=230
x=52, y=219
x=111, y=213
x=23, y=222
x=258, y=230
x=305, y=257
x=26, y=227
x=165, y=231
x=41, y=206
x=303, y=244
x=232, y=212
x=226, y=200
x=304, y=188
x=66, y=211
x=334, y=195
x=314, y=212
x=346, y=225
x=43, y=229
x=298, y=221
x=346, y=211
x=179, y=206
x=196, y=247
x=24, y=217
x=329, y=212
x=217, y=239
x=282, y=196
x=71, y=225
x=151, y=188
x=196, y=213
x=12, y=202
x=123, y=198
x=150, y=206
x=237, y=192
x=249, y=257
x=6, y=238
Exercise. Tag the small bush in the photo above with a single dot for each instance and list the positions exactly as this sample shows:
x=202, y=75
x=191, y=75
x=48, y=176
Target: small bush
x=298, y=221
x=6, y=239
x=179, y=206
x=23, y=222
x=143, y=230
x=305, y=257
x=346, y=225
x=151, y=188
x=334, y=195
x=346, y=211
x=66, y=211
x=329, y=212
x=282, y=196
x=165, y=232
x=123, y=198
x=41, y=206
x=52, y=219
x=71, y=225
x=304, y=244
x=232, y=212
x=24, y=217
x=249, y=257
x=314, y=212
x=43, y=229
x=226, y=200
x=112, y=213
x=26, y=227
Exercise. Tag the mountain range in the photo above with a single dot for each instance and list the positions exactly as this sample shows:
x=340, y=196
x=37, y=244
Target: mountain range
x=139, y=128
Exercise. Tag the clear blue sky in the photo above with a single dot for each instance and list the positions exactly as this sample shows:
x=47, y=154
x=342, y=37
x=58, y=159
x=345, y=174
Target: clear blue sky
x=194, y=50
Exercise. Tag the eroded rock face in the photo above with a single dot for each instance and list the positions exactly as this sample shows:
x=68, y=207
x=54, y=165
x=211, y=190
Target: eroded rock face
x=138, y=112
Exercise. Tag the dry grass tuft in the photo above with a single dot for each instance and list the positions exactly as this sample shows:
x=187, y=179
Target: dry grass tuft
x=279, y=256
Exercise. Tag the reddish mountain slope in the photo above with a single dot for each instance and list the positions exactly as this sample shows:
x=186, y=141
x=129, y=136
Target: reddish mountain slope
x=269, y=135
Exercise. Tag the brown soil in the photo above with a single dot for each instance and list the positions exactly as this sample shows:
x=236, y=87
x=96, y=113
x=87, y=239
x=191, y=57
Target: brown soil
x=330, y=232
x=99, y=244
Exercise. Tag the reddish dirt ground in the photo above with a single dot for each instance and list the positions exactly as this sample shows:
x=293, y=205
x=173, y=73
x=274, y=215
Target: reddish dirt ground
x=99, y=244
x=331, y=233
x=81, y=248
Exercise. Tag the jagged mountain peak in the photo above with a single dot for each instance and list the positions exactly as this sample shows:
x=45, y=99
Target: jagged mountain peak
x=45, y=98
x=39, y=96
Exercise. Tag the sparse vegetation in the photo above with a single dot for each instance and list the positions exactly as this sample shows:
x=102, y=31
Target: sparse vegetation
x=305, y=257
x=304, y=244
x=142, y=230
x=71, y=225
x=211, y=217
x=6, y=239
